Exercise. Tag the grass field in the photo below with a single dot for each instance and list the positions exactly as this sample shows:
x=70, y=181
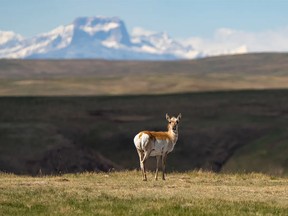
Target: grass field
x=124, y=193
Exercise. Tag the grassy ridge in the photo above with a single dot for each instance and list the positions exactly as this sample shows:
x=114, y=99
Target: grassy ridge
x=96, y=77
x=123, y=193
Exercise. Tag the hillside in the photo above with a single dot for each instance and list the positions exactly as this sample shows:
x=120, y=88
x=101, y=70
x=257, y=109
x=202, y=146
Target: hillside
x=99, y=77
x=237, y=131
x=52, y=135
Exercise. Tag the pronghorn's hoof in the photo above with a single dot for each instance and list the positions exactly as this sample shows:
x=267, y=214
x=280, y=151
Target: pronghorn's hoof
x=144, y=179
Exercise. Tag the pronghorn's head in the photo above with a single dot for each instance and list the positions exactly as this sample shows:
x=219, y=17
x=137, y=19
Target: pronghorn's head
x=173, y=122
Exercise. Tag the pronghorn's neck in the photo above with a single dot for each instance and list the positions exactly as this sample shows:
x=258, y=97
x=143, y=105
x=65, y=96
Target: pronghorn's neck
x=173, y=134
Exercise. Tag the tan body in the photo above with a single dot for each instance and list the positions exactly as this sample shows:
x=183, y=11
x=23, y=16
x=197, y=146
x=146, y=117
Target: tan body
x=157, y=144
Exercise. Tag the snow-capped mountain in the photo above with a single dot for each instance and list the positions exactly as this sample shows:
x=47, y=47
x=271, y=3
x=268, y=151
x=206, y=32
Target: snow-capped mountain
x=107, y=38
x=94, y=37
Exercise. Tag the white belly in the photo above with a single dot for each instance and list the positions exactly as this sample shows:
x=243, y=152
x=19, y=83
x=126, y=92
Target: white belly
x=161, y=147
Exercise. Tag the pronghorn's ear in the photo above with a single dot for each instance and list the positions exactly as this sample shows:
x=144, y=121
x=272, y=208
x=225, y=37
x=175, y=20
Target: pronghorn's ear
x=179, y=116
x=167, y=117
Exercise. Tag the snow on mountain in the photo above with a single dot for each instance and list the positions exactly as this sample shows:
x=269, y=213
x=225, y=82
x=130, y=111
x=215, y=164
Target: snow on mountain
x=94, y=37
x=9, y=37
x=102, y=29
x=43, y=43
x=160, y=43
x=9, y=40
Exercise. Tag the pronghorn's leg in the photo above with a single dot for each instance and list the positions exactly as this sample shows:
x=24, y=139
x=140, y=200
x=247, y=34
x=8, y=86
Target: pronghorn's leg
x=164, y=157
x=141, y=155
x=144, y=170
x=158, y=157
x=146, y=156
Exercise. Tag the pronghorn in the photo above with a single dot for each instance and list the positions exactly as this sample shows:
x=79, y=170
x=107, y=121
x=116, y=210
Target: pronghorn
x=159, y=144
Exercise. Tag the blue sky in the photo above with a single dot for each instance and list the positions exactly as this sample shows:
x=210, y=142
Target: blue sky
x=180, y=18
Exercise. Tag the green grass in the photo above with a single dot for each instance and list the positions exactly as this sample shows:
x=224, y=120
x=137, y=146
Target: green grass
x=124, y=193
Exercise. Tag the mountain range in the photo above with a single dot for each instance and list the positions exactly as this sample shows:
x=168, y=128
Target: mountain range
x=95, y=37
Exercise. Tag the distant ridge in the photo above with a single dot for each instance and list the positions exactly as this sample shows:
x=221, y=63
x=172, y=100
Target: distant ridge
x=102, y=77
